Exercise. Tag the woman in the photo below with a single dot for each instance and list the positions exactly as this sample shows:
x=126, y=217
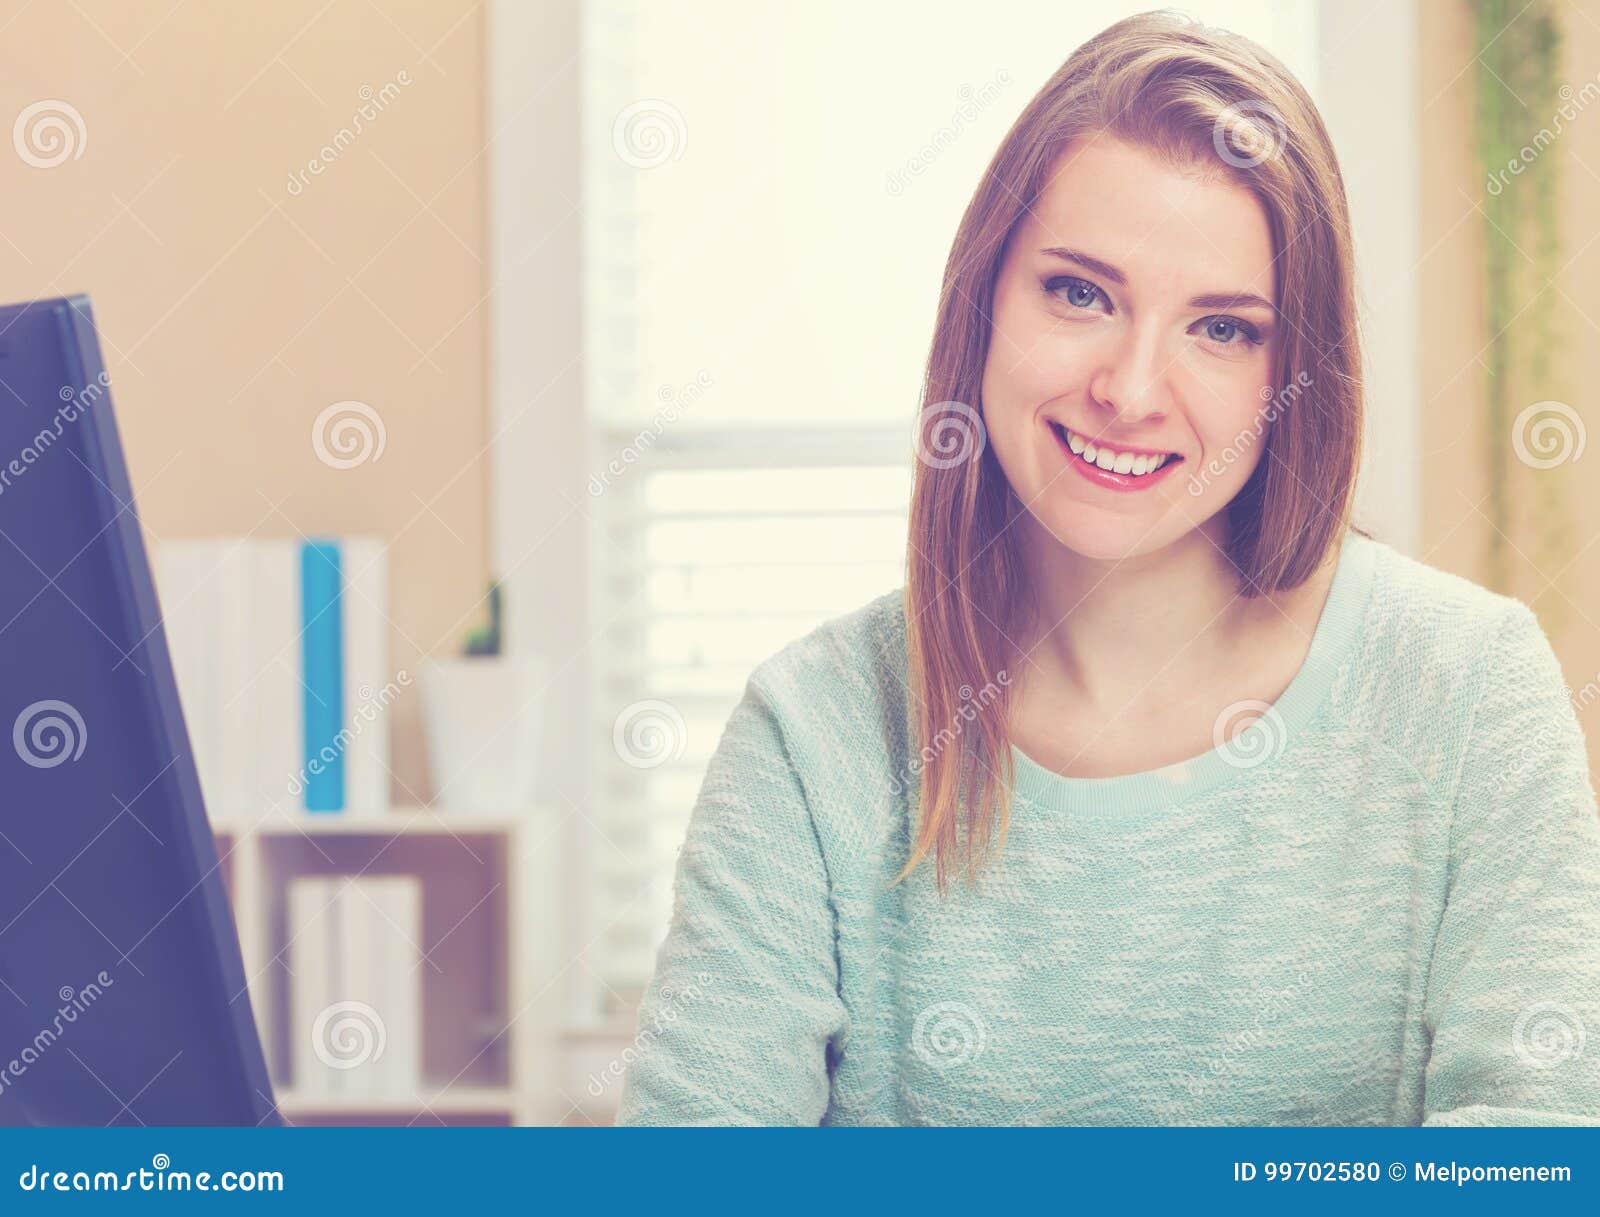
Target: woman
x=1260, y=821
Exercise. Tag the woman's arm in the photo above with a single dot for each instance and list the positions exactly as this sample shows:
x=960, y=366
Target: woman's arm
x=1513, y=993
x=735, y=1023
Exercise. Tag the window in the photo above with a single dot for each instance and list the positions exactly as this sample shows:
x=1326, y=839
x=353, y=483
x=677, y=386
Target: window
x=713, y=557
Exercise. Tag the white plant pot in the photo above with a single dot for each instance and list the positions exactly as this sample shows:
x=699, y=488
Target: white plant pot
x=484, y=716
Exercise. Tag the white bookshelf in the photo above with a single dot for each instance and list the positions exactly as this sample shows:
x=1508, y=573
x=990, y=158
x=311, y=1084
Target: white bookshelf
x=491, y=1031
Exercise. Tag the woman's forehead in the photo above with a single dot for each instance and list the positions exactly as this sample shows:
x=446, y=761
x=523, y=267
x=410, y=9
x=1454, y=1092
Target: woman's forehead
x=1152, y=220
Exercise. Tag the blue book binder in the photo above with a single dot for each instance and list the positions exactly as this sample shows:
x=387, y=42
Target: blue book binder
x=322, y=668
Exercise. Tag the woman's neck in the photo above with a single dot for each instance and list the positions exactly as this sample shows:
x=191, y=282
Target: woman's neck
x=1107, y=629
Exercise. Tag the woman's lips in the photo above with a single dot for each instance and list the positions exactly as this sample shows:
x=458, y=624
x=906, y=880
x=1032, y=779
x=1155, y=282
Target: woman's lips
x=1126, y=482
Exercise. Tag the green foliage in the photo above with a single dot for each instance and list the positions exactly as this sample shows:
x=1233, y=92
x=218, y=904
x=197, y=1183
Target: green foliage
x=1517, y=119
x=485, y=639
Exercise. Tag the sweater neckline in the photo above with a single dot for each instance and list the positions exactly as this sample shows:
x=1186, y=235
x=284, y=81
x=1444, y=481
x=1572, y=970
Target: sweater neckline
x=1259, y=746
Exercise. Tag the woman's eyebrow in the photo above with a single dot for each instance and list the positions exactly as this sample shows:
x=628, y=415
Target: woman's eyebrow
x=1210, y=300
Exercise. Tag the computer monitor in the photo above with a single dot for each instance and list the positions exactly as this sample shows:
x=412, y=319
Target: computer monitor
x=122, y=992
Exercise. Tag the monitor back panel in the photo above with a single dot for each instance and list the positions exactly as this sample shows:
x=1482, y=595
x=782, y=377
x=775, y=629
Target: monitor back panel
x=122, y=994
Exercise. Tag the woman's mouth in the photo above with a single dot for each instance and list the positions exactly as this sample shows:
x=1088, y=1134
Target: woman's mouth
x=1113, y=468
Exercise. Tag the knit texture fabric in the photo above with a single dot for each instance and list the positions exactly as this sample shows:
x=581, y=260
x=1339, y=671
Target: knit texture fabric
x=1379, y=904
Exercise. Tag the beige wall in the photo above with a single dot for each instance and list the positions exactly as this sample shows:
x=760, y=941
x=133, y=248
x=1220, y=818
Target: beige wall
x=1563, y=588
x=232, y=312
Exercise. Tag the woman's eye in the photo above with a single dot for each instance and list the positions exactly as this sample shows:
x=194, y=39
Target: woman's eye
x=1079, y=293
x=1224, y=330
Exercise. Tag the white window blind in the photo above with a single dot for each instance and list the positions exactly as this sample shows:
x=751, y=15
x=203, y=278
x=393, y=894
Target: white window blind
x=770, y=191
x=714, y=555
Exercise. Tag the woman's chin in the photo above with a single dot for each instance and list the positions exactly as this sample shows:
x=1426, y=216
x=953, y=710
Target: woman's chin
x=1090, y=535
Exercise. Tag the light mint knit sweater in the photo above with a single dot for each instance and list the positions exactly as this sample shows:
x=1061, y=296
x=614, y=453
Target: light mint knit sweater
x=1380, y=904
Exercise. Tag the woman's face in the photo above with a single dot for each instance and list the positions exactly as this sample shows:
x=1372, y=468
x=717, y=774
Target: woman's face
x=1134, y=324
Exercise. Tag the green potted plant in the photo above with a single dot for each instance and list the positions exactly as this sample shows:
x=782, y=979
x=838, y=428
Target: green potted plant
x=482, y=711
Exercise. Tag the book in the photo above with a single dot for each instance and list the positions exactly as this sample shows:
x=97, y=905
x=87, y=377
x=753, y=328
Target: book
x=311, y=953
x=281, y=653
x=187, y=590
x=322, y=674
x=368, y=683
x=383, y=954
x=274, y=646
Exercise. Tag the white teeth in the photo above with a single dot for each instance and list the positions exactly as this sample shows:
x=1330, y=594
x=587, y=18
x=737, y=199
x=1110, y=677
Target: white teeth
x=1136, y=464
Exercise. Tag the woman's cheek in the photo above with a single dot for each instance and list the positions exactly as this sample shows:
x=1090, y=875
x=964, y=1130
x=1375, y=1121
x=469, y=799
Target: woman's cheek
x=1230, y=452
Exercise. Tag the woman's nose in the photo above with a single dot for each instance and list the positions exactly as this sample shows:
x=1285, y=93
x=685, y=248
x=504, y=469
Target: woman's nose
x=1132, y=382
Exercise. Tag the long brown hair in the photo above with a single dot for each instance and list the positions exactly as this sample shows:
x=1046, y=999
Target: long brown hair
x=1197, y=97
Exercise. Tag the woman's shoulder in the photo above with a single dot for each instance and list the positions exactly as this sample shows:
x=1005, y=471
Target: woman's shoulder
x=1436, y=640
x=856, y=655
x=1420, y=605
x=841, y=688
